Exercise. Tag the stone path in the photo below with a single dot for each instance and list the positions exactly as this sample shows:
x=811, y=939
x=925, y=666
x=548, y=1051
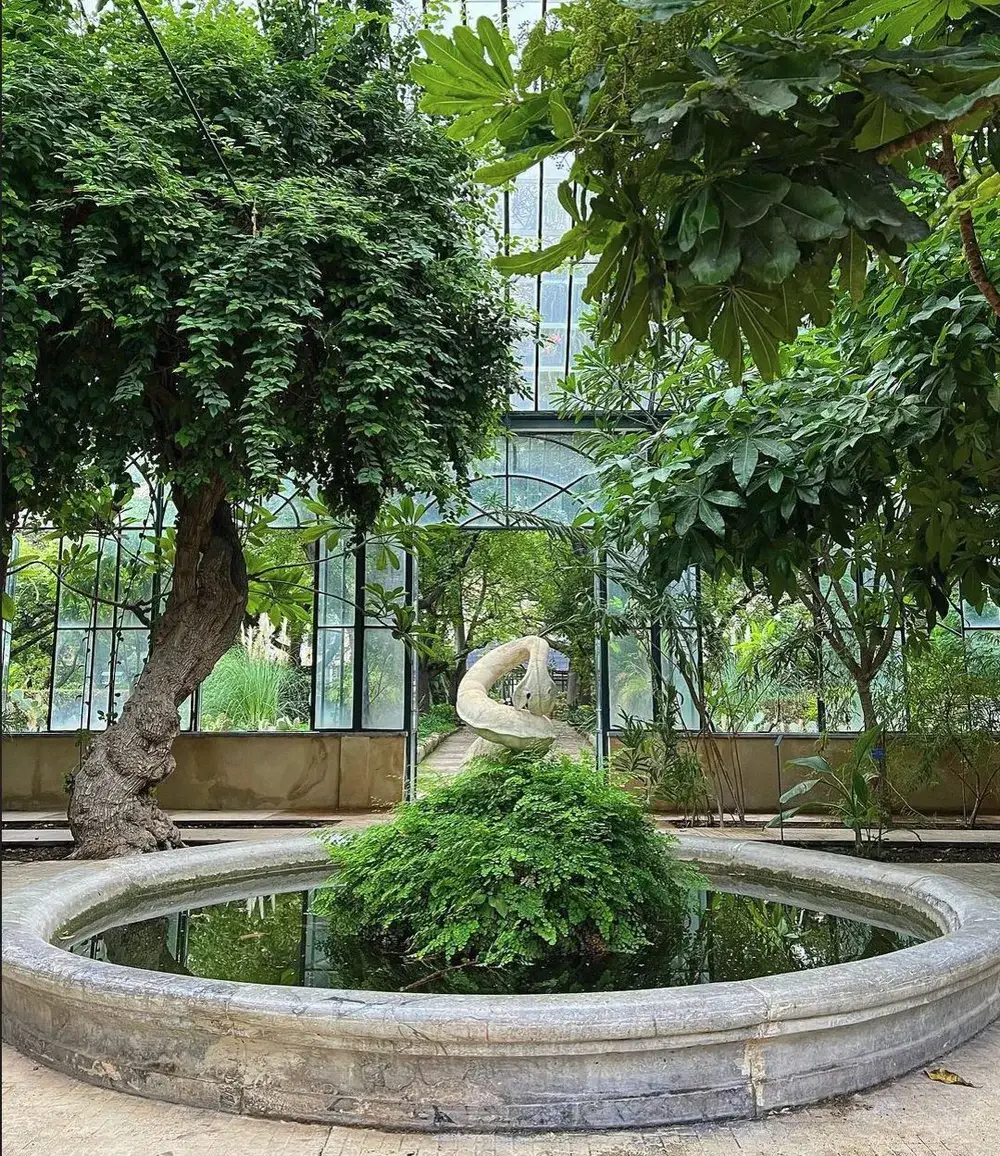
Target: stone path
x=48, y=1114
x=450, y=755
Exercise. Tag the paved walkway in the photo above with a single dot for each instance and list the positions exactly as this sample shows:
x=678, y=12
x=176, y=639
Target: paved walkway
x=452, y=753
x=48, y=1114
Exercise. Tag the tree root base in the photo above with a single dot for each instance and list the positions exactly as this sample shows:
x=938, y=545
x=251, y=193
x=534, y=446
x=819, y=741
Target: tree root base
x=128, y=834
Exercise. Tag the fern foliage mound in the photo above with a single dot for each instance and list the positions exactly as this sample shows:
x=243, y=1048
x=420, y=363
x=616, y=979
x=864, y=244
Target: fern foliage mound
x=519, y=859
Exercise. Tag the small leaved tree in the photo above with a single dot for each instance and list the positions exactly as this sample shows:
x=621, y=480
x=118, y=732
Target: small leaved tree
x=317, y=307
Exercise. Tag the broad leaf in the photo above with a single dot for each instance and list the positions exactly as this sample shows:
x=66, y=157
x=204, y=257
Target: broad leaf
x=716, y=257
x=878, y=123
x=802, y=788
x=810, y=213
x=500, y=172
x=723, y=498
x=769, y=253
x=747, y=198
x=854, y=264
x=813, y=762
x=561, y=117
x=765, y=95
x=745, y=461
x=542, y=260
x=463, y=63
x=634, y=328
x=604, y=270
x=700, y=216
x=709, y=516
x=496, y=48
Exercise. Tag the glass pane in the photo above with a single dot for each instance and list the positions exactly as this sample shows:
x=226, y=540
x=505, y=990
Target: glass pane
x=78, y=570
x=495, y=466
x=673, y=676
x=524, y=207
x=760, y=665
x=487, y=495
x=100, y=680
x=555, y=291
x=334, y=679
x=106, y=581
x=522, y=15
x=450, y=18
x=527, y=493
x=630, y=680
x=138, y=510
x=385, y=570
x=983, y=664
x=135, y=577
x=577, y=338
x=336, y=589
x=259, y=684
x=555, y=219
x=976, y=620
x=549, y=385
x=525, y=292
x=551, y=459
x=476, y=8
x=683, y=596
x=384, y=678
x=560, y=507
x=29, y=639
x=72, y=668
x=840, y=694
x=617, y=599
x=130, y=655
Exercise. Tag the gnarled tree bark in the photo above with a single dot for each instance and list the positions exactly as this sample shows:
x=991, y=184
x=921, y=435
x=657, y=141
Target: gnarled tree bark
x=113, y=809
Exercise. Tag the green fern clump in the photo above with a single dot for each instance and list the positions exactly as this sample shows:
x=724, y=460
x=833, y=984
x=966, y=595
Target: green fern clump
x=519, y=859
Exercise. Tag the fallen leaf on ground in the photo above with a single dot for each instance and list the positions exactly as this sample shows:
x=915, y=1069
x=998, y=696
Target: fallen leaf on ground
x=943, y=1076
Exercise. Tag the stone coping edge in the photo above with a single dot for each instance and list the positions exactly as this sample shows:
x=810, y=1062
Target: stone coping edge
x=417, y=1060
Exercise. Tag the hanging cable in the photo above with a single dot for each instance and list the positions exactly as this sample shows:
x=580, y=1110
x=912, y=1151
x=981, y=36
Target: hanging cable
x=181, y=87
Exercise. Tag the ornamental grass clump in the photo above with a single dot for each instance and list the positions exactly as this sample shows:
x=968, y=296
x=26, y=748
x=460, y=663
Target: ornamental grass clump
x=520, y=859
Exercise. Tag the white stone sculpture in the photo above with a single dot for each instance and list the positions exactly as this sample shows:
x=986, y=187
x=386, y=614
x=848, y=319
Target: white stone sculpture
x=523, y=726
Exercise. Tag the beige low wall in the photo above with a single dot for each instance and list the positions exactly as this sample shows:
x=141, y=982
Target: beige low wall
x=766, y=774
x=230, y=772
x=320, y=771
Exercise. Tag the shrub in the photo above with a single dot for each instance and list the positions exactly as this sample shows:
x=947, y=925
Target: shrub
x=436, y=720
x=520, y=858
x=254, y=687
x=653, y=760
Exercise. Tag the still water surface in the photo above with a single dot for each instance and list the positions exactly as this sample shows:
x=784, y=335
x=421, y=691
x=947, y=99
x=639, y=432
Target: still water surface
x=277, y=939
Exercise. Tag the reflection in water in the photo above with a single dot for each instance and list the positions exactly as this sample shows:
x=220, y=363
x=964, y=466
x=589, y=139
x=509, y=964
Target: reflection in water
x=276, y=939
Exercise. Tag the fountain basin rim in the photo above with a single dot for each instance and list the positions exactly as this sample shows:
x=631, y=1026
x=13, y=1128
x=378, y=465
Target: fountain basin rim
x=967, y=951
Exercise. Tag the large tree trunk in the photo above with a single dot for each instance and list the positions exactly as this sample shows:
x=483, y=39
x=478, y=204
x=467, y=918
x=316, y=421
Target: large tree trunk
x=113, y=809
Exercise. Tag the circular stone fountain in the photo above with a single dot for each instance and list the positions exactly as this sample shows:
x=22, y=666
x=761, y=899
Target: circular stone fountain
x=421, y=1061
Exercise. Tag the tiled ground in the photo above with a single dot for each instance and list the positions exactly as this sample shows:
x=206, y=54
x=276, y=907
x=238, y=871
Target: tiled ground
x=48, y=1114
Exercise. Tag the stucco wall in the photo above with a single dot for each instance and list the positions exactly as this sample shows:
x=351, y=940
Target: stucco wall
x=225, y=772
x=766, y=774
x=360, y=772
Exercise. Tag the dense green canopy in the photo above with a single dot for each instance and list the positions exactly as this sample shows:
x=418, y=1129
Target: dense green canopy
x=886, y=422
x=324, y=312
x=266, y=265
x=727, y=157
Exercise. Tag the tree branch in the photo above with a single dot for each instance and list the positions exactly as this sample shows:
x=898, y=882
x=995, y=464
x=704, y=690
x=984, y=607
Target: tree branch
x=931, y=131
x=948, y=167
x=136, y=608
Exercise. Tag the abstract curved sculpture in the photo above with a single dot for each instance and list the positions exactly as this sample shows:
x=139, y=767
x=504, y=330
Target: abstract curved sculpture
x=524, y=725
